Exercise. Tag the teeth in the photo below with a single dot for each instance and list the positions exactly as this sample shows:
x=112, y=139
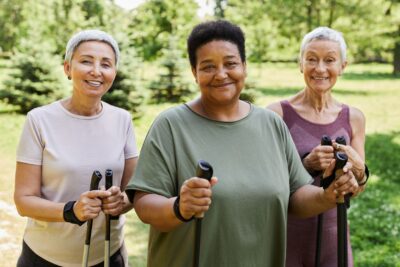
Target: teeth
x=94, y=83
x=320, y=78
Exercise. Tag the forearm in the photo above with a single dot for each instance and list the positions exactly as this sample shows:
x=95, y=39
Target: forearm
x=309, y=201
x=40, y=209
x=127, y=205
x=157, y=211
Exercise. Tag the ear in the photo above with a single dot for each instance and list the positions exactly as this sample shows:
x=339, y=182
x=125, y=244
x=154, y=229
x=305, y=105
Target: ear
x=342, y=67
x=194, y=74
x=300, y=62
x=67, y=69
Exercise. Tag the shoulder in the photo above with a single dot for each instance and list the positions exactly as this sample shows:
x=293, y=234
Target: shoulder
x=276, y=107
x=357, y=117
x=43, y=111
x=269, y=116
x=116, y=110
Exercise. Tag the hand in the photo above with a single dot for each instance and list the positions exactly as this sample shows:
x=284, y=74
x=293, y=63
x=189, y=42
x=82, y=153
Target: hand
x=358, y=164
x=195, y=196
x=319, y=158
x=113, y=204
x=88, y=205
x=342, y=185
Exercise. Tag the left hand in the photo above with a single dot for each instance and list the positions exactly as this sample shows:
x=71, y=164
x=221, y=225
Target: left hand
x=114, y=204
x=358, y=167
x=342, y=185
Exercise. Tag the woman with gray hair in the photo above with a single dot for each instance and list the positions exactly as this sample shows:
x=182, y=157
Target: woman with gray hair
x=61, y=145
x=310, y=114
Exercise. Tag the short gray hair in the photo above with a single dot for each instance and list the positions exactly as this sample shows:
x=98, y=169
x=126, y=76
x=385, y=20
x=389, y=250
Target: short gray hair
x=91, y=35
x=324, y=33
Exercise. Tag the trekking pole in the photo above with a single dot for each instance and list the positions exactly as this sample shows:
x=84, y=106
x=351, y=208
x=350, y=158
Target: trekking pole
x=203, y=170
x=341, y=160
x=325, y=141
x=94, y=185
x=109, y=182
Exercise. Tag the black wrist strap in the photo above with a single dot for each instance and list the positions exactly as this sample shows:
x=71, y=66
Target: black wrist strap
x=69, y=215
x=366, y=173
x=178, y=212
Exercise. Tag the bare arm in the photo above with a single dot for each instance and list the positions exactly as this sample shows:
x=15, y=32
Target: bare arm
x=310, y=200
x=29, y=201
x=195, y=198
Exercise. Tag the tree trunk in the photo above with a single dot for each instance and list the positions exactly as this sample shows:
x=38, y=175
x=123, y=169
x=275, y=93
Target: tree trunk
x=396, y=54
x=331, y=12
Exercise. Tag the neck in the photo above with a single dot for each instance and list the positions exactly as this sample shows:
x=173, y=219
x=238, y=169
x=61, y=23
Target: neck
x=226, y=113
x=82, y=107
x=318, y=102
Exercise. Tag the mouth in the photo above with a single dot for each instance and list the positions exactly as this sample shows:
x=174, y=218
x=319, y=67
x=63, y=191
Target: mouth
x=93, y=83
x=320, y=78
x=221, y=85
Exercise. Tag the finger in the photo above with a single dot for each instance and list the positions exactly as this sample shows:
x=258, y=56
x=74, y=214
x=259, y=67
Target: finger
x=98, y=194
x=197, y=182
x=329, y=170
x=213, y=181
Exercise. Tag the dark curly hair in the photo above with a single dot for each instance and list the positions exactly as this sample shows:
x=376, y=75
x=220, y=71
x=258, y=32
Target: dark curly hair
x=209, y=31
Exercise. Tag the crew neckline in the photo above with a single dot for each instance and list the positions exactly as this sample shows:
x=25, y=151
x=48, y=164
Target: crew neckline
x=81, y=117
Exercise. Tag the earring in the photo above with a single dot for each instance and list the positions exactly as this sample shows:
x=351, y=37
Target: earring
x=69, y=77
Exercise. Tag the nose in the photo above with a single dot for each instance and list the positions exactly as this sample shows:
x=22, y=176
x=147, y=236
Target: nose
x=221, y=73
x=95, y=71
x=321, y=67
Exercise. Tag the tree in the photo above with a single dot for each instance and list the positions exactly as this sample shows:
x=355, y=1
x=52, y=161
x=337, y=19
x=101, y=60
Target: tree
x=155, y=21
x=36, y=80
x=170, y=87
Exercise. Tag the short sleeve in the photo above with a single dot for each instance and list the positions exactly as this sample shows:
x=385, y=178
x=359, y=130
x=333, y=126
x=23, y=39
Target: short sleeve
x=156, y=169
x=298, y=176
x=30, y=148
x=130, y=149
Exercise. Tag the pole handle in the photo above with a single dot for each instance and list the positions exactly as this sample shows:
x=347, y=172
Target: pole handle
x=203, y=170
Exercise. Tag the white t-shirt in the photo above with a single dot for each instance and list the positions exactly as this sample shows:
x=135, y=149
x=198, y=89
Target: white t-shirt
x=69, y=148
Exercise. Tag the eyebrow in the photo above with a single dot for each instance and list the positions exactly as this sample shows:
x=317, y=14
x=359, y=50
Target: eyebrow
x=103, y=58
x=211, y=61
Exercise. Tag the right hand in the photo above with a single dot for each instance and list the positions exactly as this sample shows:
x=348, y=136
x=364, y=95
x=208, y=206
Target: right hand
x=88, y=206
x=319, y=158
x=195, y=196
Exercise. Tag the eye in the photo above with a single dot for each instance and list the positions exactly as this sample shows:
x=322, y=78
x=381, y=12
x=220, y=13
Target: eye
x=208, y=68
x=231, y=64
x=330, y=60
x=106, y=65
x=86, y=62
x=311, y=59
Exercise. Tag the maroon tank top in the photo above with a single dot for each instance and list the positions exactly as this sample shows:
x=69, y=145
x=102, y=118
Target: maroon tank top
x=307, y=135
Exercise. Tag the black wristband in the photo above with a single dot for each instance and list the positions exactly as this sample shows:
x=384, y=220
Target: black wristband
x=366, y=173
x=178, y=212
x=69, y=215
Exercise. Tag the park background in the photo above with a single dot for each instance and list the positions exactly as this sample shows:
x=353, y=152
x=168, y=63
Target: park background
x=155, y=74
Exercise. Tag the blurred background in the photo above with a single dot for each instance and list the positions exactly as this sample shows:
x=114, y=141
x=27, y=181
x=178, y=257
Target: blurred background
x=155, y=74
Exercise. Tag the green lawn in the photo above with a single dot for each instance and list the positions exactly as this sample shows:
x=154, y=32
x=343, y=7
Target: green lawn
x=374, y=216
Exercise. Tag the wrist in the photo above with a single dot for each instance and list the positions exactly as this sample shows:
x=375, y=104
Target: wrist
x=69, y=214
x=178, y=213
x=365, y=176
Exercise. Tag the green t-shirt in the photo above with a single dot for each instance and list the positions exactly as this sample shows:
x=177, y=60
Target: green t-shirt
x=258, y=168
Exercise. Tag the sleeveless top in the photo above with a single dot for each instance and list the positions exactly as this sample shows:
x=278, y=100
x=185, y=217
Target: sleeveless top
x=307, y=135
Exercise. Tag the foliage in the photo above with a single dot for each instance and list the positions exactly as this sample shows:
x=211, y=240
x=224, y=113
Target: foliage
x=170, y=87
x=155, y=21
x=34, y=81
x=124, y=91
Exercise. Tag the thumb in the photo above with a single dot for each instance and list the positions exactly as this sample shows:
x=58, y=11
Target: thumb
x=98, y=194
x=328, y=171
x=213, y=181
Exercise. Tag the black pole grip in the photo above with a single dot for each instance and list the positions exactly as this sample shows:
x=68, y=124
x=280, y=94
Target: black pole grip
x=94, y=185
x=340, y=140
x=109, y=178
x=204, y=170
x=326, y=141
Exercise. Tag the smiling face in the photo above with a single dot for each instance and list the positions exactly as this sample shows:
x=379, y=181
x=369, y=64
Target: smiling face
x=92, y=69
x=321, y=65
x=219, y=72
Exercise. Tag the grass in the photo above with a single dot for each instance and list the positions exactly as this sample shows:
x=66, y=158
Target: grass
x=374, y=216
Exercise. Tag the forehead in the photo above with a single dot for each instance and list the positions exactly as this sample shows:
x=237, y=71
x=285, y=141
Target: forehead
x=322, y=46
x=95, y=49
x=217, y=49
